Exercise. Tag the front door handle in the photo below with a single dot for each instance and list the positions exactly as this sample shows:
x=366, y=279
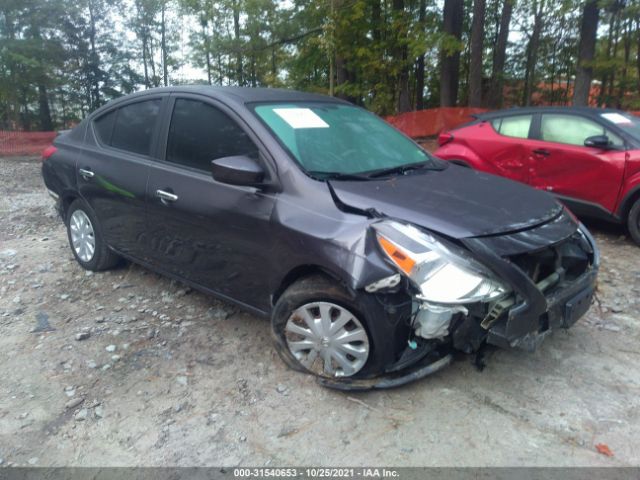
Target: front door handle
x=166, y=196
x=542, y=151
x=86, y=173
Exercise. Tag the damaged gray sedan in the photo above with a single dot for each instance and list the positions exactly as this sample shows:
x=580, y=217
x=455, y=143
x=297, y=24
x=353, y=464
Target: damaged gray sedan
x=374, y=260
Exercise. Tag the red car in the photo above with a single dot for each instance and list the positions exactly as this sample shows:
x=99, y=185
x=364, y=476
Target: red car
x=588, y=158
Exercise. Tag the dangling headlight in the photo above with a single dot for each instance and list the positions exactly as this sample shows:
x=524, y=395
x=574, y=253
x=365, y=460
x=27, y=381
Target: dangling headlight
x=443, y=272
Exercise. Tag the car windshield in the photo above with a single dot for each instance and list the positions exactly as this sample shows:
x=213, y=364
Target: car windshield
x=333, y=140
x=627, y=122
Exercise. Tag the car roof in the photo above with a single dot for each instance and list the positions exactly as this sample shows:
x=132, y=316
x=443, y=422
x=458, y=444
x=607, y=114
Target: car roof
x=240, y=94
x=585, y=111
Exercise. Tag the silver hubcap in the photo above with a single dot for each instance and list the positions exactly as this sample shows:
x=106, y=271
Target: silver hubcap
x=327, y=339
x=82, y=236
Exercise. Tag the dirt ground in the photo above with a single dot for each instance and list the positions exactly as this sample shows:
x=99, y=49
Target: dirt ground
x=127, y=368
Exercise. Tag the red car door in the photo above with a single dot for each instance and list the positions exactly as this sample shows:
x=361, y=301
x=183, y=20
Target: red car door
x=562, y=165
x=506, y=149
x=496, y=146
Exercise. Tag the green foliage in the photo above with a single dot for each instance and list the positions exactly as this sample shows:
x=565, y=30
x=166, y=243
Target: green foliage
x=60, y=59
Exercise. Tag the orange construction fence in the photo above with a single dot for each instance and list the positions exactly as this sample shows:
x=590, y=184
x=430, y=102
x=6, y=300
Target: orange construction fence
x=418, y=124
x=427, y=123
x=24, y=143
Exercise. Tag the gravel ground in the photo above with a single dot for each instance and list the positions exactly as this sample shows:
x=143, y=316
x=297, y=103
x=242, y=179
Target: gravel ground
x=128, y=368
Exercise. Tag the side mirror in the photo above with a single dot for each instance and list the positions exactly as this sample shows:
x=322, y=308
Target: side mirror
x=597, y=141
x=237, y=170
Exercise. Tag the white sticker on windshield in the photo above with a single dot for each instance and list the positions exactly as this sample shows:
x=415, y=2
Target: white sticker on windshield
x=615, y=118
x=301, y=118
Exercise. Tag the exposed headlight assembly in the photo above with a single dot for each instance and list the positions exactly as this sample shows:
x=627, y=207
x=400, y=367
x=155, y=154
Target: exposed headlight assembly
x=443, y=272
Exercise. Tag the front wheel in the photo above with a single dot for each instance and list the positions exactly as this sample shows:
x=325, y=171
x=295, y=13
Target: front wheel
x=633, y=222
x=85, y=238
x=319, y=330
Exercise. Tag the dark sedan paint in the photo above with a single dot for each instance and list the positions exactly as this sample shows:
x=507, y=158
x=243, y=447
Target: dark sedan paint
x=441, y=201
x=246, y=244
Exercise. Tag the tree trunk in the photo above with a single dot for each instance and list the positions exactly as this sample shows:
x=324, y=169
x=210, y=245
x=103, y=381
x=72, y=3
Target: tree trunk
x=420, y=63
x=616, y=43
x=44, y=111
x=605, y=75
x=254, y=79
x=532, y=54
x=499, y=57
x=274, y=69
x=236, y=32
x=401, y=56
x=638, y=51
x=163, y=32
x=586, y=51
x=343, y=75
x=205, y=42
x=24, y=110
x=150, y=54
x=477, y=48
x=552, y=74
x=144, y=59
x=622, y=84
x=450, y=61
x=63, y=105
x=376, y=19
x=94, y=62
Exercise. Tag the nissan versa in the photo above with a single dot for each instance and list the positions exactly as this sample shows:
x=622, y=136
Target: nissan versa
x=374, y=260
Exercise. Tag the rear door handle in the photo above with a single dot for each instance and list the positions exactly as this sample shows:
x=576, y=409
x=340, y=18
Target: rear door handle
x=166, y=196
x=86, y=173
x=542, y=152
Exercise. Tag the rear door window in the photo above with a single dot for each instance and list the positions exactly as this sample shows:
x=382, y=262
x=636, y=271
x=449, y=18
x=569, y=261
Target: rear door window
x=200, y=133
x=516, y=126
x=134, y=126
x=104, y=127
x=573, y=130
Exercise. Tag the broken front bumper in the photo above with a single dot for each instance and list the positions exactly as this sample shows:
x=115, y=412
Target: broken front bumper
x=539, y=304
x=423, y=368
x=535, y=314
x=526, y=325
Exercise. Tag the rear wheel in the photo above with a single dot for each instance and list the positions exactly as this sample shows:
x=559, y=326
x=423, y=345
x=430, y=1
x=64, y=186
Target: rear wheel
x=633, y=222
x=85, y=238
x=318, y=329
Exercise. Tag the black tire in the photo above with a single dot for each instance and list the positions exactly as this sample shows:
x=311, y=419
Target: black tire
x=633, y=222
x=103, y=258
x=319, y=288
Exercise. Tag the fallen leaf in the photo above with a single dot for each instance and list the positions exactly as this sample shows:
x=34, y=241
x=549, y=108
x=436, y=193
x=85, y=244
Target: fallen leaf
x=604, y=449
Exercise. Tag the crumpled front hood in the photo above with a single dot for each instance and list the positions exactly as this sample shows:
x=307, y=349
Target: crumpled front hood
x=457, y=202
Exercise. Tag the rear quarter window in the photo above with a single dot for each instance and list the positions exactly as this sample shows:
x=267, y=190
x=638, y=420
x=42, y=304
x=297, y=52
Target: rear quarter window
x=516, y=126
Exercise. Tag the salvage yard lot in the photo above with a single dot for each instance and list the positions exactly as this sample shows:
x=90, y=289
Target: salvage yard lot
x=130, y=368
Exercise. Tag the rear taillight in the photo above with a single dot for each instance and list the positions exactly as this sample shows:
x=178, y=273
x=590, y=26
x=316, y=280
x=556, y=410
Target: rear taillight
x=50, y=150
x=444, y=138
